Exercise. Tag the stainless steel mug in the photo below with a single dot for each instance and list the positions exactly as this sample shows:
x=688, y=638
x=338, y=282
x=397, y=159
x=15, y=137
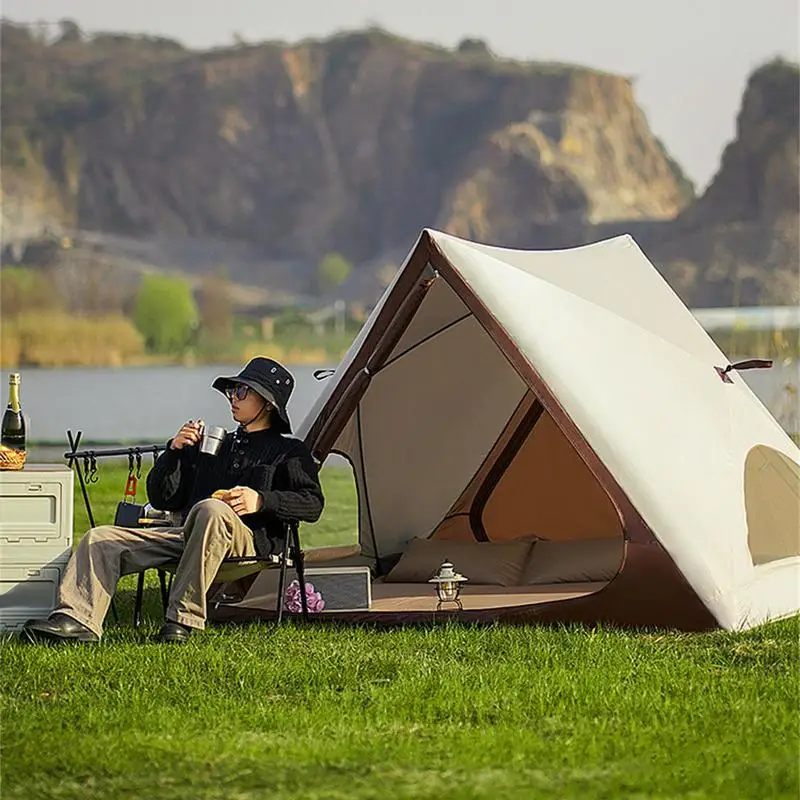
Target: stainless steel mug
x=211, y=439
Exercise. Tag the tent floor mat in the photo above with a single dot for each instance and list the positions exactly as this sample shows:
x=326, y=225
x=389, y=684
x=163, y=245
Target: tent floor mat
x=395, y=597
x=413, y=597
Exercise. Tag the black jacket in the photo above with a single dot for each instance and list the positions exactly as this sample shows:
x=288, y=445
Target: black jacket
x=278, y=467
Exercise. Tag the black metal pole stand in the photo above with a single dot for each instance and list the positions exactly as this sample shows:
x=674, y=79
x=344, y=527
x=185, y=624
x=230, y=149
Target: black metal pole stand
x=87, y=474
x=72, y=459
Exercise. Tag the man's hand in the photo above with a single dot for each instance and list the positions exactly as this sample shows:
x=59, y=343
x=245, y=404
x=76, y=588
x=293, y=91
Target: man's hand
x=189, y=434
x=244, y=500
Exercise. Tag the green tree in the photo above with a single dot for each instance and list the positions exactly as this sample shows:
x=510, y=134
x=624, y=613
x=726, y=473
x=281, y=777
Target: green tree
x=332, y=271
x=165, y=313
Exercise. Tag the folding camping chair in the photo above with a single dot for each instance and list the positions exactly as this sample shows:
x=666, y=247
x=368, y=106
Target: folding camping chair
x=235, y=567
x=232, y=568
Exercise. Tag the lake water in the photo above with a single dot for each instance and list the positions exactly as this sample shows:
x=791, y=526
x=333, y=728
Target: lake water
x=149, y=404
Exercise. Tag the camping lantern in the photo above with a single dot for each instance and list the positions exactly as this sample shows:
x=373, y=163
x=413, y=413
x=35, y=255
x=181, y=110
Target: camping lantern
x=448, y=585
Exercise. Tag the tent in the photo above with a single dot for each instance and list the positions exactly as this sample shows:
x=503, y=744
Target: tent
x=559, y=423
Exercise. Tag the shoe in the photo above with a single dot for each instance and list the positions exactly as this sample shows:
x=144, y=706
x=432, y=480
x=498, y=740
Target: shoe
x=173, y=632
x=57, y=628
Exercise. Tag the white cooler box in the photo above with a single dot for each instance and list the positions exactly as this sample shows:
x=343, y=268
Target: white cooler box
x=36, y=519
x=28, y=591
x=35, y=513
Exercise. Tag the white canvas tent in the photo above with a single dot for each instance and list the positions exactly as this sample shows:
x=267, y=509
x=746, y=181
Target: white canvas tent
x=569, y=396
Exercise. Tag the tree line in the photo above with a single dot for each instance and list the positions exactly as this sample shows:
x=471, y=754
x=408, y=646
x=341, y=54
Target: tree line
x=82, y=301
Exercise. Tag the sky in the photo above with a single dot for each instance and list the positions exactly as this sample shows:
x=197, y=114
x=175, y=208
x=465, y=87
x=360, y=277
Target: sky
x=690, y=58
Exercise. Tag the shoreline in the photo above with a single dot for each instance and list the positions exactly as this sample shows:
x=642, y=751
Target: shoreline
x=291, y=358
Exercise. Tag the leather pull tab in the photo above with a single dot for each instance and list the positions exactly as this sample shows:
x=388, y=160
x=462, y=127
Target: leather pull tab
x=750, y=363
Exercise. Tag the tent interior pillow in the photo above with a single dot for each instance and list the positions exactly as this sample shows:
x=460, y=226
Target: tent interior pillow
x=574, y=561
x=495, y=563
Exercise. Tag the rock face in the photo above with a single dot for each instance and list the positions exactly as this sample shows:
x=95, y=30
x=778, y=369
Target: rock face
x=351, y=144
x=593, y=160
x=739, y=243
x=355, y=143
x=758, y=177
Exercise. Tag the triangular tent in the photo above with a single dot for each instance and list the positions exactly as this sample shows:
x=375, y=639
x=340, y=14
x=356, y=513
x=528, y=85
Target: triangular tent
x=559, y=426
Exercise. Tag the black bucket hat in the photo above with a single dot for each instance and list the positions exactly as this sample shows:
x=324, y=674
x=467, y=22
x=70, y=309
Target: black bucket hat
x=271, y=380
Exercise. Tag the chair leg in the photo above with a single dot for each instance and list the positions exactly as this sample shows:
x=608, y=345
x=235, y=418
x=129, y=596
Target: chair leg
x=282, y=578
x=114, y=611
x=162, y=579
x=299, y=564
x=137, y=608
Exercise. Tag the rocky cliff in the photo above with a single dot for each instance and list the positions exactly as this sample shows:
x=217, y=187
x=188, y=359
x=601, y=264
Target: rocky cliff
x=350, y=144
x=355, y=143
x=739, y=243
x=590, y=159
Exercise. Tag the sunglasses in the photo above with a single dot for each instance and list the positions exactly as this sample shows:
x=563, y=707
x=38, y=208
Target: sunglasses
x=239, y=391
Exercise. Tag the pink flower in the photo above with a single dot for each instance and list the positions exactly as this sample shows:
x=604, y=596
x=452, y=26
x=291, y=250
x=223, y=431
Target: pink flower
x=292, y=600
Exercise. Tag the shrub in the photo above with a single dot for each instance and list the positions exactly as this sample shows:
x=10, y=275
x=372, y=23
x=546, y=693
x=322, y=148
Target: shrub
x=61, y=340
x=165, y=313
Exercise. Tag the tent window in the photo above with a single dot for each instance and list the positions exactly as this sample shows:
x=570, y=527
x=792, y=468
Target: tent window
x=772, y=505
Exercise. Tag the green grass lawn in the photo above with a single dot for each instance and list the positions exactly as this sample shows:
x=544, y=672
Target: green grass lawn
x=337, y=712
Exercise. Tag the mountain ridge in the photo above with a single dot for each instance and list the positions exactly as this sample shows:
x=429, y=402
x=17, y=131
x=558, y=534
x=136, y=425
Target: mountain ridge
x=356, y=142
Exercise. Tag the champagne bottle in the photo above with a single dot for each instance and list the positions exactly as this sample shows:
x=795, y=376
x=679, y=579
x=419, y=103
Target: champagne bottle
x=12, y=431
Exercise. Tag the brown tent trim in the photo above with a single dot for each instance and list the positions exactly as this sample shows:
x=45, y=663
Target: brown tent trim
x=499, y=466
x=430, y=336
x=390, y=335
x=404, y=298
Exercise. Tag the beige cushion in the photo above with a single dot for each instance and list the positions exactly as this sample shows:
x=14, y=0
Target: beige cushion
x=573, y=561
x=498, y=563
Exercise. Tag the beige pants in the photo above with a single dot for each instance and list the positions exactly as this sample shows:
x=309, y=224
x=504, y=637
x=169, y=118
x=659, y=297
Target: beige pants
x=211, y=532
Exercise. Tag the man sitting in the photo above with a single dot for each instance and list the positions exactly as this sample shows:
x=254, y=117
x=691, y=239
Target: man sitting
x=270, y=479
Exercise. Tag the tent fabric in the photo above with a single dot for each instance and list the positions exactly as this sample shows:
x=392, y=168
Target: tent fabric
x=544, y=490
x=567, y=394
